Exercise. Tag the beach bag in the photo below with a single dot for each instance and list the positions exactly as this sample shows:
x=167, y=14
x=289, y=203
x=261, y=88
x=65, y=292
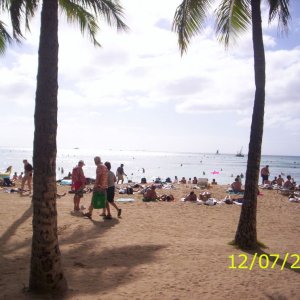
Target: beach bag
x=98, y=200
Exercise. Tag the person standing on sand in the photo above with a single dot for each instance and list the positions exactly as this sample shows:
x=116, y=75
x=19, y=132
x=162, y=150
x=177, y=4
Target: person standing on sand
x=78, y=184
x=27, y=175
x=265, y=173
x=111, y=190
x=120, y=174
x=101, y=185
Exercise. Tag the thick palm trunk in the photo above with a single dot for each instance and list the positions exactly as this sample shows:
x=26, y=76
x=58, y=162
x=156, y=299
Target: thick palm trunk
x=46, y=274
x=246, y=235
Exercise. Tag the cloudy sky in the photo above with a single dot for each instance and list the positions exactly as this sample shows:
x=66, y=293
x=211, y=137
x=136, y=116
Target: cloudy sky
x=137, y=92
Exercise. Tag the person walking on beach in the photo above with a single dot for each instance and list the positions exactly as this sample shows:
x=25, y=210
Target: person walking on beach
x=78, y=184
x=111, y=190
x=265, y=174
x=120, y=174
x=27, y=175
x=101, y=185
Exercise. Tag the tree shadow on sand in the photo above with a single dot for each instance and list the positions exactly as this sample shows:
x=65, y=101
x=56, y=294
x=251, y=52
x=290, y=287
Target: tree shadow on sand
x=109, y=268
x=11, y=230
x=106, y=268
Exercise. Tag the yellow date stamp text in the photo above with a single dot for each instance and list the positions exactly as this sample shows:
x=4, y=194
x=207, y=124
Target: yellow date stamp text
x=264, y=261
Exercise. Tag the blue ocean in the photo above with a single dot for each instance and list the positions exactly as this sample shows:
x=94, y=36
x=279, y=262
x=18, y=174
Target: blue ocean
x=152, y=164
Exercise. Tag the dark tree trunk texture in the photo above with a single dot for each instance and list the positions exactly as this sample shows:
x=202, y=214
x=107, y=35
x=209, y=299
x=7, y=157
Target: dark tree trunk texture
x=246, y=235
x=46, y=274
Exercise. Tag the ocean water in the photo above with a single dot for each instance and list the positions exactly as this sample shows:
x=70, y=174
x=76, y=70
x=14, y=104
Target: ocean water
x=222, y=167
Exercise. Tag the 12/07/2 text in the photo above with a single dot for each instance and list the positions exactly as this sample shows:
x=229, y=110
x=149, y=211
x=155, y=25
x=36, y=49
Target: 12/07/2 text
x=264, y=261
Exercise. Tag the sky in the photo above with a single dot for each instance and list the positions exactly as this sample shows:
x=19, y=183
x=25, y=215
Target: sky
x=137, y=92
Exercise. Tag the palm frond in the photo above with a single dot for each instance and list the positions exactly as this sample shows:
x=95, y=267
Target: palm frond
x=110, y=10
x=86, y=21
x=189, y=20
x=30, y=8
x=280, y=9
x=233, y=16
x=21, y=9
x=5, y=38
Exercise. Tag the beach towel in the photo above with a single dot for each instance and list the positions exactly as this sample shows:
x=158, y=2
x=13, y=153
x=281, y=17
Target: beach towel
x=211, y=202
x=296, y=200
x=231, y=192
x=237, y=203
x=200, y=202
x=66, y=182
x=125, y=200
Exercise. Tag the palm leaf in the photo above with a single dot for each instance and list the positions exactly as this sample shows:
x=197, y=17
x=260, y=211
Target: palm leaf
x=5, y=38
x=233, y=16
x=189, y=20
x=280, y=8
x=110, y=10
x=19, y=9
x=86, y=21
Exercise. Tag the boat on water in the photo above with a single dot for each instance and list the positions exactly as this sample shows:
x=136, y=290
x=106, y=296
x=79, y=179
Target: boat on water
x=240, y=153
x=217, y=153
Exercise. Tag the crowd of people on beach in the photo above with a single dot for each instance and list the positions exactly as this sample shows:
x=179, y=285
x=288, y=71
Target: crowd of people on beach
x=277, y=182
x=104, y=186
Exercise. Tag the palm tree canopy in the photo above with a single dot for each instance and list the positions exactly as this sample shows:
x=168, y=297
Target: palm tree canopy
x=232, y=18
x=83, y=12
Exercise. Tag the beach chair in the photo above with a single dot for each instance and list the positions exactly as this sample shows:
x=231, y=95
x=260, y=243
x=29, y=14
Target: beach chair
x=202, y=182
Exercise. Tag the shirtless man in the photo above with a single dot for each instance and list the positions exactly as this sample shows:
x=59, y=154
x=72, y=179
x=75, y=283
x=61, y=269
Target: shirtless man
x=150, y=194
x=265, y=173
x=288, y=184
x=236, y=186
x=280, y=180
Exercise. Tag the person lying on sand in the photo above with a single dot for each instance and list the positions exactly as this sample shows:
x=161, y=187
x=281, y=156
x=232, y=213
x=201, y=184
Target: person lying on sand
x=191, y=197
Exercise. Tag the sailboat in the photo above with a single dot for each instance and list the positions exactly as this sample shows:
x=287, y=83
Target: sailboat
x=240, y=154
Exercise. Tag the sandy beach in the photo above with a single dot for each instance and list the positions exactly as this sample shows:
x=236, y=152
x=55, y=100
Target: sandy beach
x=157, y=250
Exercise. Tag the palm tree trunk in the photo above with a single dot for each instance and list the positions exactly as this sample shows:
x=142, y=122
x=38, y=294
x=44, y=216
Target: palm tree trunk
x=46, y=274
x=246, y=235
